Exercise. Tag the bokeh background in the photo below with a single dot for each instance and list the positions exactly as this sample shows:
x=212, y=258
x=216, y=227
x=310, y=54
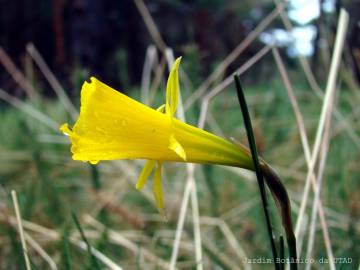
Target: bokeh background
x=47, y=50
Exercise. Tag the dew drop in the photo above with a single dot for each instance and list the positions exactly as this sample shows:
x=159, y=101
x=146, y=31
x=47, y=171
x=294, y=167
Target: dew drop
x=123, y=122
x=100, y=130
x=93, y=162
x=217, y=156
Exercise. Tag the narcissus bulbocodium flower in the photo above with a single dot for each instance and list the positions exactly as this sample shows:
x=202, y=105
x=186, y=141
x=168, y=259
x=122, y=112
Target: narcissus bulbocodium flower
x=113, y=126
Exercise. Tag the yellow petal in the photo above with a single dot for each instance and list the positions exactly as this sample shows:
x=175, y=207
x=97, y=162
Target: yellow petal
x=177, y=147
x=172, y=88
x=157, y=188
x=114, y=126
x=145, y=173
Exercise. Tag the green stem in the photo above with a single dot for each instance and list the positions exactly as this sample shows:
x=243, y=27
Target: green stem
x=94, y=262
x=282, y=252
x=283, y=203
x=275, y=185
x=258, y=171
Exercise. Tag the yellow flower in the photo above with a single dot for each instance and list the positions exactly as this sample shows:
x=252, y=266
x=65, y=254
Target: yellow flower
x=113, y=126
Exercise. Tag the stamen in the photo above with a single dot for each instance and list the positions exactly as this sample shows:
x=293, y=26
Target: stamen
x=145, y=173
x=157, y=189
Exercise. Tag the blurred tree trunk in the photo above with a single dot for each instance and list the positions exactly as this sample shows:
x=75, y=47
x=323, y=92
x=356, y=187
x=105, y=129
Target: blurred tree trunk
x=354, y=39
x=316, y=63
x=58, y=26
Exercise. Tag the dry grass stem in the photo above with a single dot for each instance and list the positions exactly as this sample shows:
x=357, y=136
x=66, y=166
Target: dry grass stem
x=196, y=219
x=181, y=221
x=190, y=191
x=304, y=139
x=327, y=106
x=159, y=73
x=303, y=61
x=225, y=260
x=151, y=60
x=16, y=74
x=99, y=255
x=221, y=68
x=42, y=253
x=29, y=110
x=53, y=81
x=55, y=236
x=119, y=239
x=225, y=83
x=309, y=75
x=229, y=236
x=150, y=24
x=21, y=230
x=316, y=201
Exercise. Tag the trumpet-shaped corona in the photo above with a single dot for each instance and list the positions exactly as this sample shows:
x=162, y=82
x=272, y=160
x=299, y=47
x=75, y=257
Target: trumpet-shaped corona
x=113, y=126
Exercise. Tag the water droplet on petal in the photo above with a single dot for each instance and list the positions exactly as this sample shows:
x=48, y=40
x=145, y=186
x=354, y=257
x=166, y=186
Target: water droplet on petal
x=123, y=122
x=100, y=130
x=93, y=162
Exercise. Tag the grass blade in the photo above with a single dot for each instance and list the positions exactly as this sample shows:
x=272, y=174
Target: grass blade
x=93, y=259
